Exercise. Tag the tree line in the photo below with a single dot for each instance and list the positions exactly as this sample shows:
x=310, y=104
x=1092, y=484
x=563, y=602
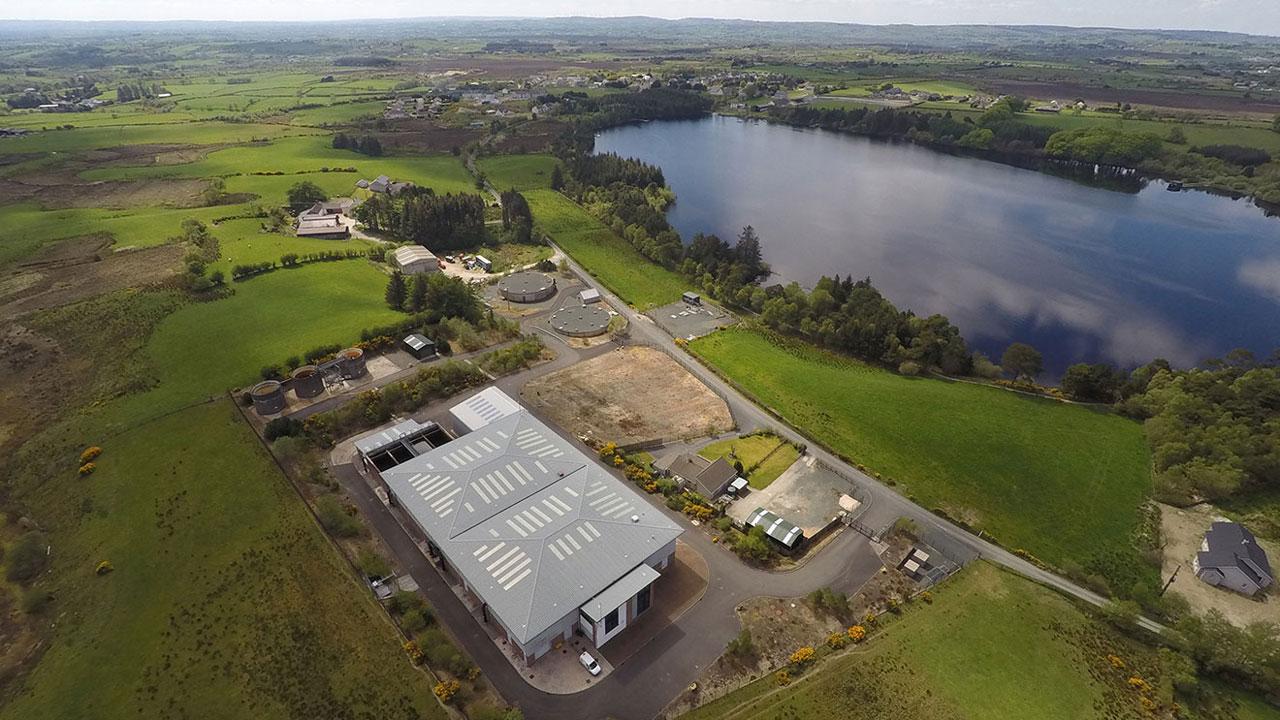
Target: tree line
x=367, y=145
x=438, y=222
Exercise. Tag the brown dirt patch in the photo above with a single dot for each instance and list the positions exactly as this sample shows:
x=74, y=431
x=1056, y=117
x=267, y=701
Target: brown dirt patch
x=530, y=137
x=1182, y=529
x=156, y=154
x=80, y=268
x=63, y=190
x=628, y=396
x=1155, y=98
x=424, y=136
x=34, y=376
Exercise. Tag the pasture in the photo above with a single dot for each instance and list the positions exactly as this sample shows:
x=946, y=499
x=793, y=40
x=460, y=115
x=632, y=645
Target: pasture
x=609, y=258
x=990, y=645
x=521, y=172
x=1064, y=482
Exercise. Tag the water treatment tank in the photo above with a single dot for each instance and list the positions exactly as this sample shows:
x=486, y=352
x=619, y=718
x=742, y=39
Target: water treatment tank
x=268, y=397
x=307, y=382
x=351, y=363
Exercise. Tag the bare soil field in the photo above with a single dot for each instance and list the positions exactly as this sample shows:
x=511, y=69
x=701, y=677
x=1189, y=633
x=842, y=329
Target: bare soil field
x=509, y=66
x=424, y=136
x=1154, y=98
x=81, y=268
x=63, y=190
x=1182, y=530
x=530, y=137
x=629, y=396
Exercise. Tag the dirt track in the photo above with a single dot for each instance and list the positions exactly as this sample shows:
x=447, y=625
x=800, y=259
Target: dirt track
x=632, y=395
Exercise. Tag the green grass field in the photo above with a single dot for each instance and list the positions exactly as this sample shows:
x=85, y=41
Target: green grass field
x=608, y=258
x=189, y=133
x=1064, y=482
x=991, y=645
x=522, y=172
x=225, y=601
x=772, y=454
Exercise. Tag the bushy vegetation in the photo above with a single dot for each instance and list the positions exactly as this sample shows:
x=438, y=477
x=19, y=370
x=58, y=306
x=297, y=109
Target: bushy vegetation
x=1103, y=145
x=438, y=222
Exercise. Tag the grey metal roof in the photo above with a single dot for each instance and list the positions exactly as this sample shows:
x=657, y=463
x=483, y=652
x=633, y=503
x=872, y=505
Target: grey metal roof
x=376, y=441
x=417, y=342
x=535, y=527
x=775, y=527
x=484, y=407
x=619, y=592
x=1232, y=545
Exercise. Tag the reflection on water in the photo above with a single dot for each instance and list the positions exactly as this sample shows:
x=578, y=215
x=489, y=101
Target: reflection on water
x=1081, y=272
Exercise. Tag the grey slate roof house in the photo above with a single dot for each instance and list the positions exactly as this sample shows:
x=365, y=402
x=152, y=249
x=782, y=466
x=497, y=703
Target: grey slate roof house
x=705, y=477
x=1230, y=557
x=546, y=539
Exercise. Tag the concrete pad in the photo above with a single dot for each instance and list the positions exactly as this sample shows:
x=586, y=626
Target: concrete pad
x=690, y=321
x=807, y=494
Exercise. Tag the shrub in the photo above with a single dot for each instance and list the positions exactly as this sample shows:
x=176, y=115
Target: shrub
x=856, y=633
x=87, y=469
x=414, y=652
x=335, y=518
x=782, y=677
x=416, y=620
x=89, y=454
x=829, y=601
x=26, y=558
x=404, y=601
x=835, y=641
x=754, y=546
x=741, y=646
x=722, y=523
x=281, y=427
x=104, y=567
x=446, y=689
x=909, y=368
x=372, y=564
x=35, y=599
x=801, y=656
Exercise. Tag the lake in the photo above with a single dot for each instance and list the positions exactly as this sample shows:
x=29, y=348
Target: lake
x=1008, y=254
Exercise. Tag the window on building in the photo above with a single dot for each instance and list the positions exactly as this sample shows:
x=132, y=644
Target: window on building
x=643, y=598
x=611, y=621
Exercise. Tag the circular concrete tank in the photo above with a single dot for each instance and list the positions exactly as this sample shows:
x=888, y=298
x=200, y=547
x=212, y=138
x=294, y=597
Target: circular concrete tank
x=527, y=287
x=268, y=397
x=307, y=382
x=351, y=363
x=580, y=321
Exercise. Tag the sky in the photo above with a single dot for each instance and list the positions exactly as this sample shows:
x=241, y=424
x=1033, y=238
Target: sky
x=1253, y=16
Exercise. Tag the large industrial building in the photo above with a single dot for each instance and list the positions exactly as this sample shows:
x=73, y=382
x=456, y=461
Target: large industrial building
x=549, y=542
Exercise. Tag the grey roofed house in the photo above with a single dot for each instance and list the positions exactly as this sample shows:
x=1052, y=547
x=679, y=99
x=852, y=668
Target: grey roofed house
x=537, y=530
x=380, y=184
x=362, y=183
x=1230, y=557
x=707, y=477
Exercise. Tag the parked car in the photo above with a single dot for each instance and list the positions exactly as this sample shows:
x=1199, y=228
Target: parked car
x=589, y=663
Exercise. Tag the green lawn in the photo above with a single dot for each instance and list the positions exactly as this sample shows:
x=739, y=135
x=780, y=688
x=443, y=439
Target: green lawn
x=609, y=258
x=226, y=600
x=522, y=172
x=1065, y=482
x=991, y=645
x=190, y=133
x=768, y=454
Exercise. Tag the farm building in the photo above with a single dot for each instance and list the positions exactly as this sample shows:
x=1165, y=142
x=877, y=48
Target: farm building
x=527, y=287
x=546, y=541
x=786, y=533
x=1230, y=557
x=414, y=259
x=322, y=226
x=419, y=346
x=588, y=296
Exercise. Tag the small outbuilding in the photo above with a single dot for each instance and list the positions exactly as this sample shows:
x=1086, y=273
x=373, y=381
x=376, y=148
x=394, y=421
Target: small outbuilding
x=322, y=226
x=414, y=259
x=419, y=346
x=1230, y=557
x=692, y=298
x=588, y=296
x=783, y=531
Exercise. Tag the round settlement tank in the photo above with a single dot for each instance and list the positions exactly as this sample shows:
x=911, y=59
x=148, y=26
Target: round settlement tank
x=527, y=287
x=580, y=321
x=351, y=363
x=307, y=382
x=268, y=397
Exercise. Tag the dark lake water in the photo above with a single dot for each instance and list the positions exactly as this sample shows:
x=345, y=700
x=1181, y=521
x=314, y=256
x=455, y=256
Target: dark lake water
x=1080, y=272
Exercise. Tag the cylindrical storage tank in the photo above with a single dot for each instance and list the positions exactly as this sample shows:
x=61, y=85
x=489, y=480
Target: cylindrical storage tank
x=527, y=287
x=268, y=397
x=307, y=382
x=351, y=363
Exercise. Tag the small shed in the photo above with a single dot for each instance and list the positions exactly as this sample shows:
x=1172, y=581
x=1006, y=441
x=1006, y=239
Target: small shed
x=484, y=263
x=783, y=531
x=590, y=295
x=691, y=298
x=419, y=346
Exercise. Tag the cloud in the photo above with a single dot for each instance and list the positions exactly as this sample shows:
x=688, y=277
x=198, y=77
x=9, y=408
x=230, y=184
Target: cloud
x=1262, y=275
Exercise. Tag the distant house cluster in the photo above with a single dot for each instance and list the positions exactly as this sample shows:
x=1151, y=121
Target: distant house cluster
x=384, y=185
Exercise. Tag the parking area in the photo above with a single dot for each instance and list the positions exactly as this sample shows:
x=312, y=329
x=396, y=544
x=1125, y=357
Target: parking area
x=684, y=320
x=807, y=494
